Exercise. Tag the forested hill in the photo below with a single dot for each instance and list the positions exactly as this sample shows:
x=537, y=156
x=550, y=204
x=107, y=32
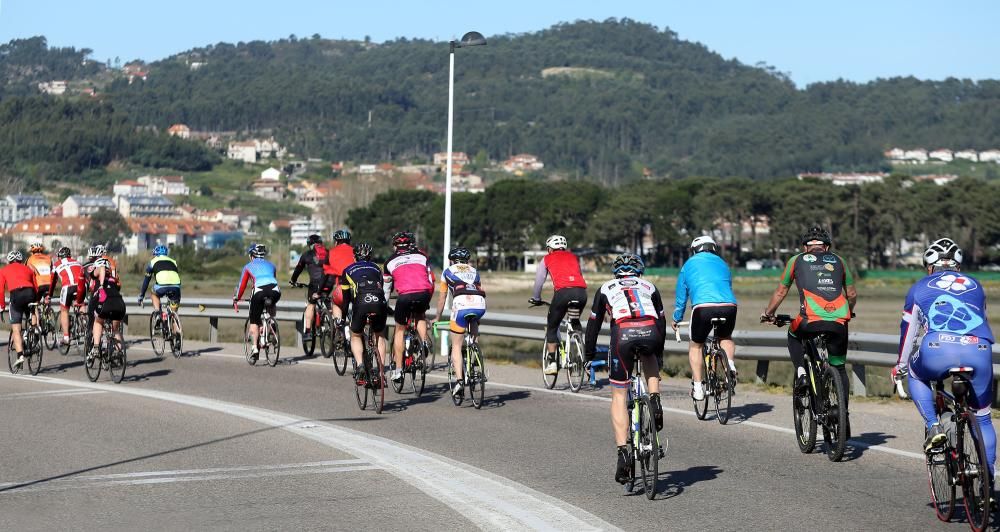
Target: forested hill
x=600, y=100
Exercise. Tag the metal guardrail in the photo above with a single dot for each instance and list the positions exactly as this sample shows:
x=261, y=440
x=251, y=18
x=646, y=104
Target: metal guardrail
x=864, y=349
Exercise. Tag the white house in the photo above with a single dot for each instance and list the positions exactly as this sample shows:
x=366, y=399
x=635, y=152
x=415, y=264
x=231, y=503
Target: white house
x=51, y=230
x=301, y=228
x=271, y=190
x=165, y=185
x=143, y=206
x=17, y=207
x=147, y=233
x=989, y=156
x=918, y=155
x=77, y=205
x=245, y=151
x=54, y=88
x=179, y=130
x=268, y=147
x=847, y=178
x=941, y=155
x=129, y=187
x=523, y=162
x=271, y=174
x=895, y=154
x=968, y=155
x=458, y=158
x=367, y=169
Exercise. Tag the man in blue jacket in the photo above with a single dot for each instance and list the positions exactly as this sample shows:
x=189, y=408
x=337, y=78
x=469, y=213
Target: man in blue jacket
x=705, y=280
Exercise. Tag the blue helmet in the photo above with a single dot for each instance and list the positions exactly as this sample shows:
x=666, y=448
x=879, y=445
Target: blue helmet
x=159, y=250
x=627, y=264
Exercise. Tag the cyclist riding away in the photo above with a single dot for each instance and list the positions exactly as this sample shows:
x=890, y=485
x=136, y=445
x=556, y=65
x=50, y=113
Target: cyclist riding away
x=18, y=279
x=823, y=280
x=41, y=264
x=568, y=285
x=261, y=274
x=408, y=272
x=365, y=284
x=637, y=323
x=166, y=279
x=468, y=299
x=706, y=280
x=945, y=326
x=311, y=260
x=69, y=274
x=108, y=303
x=338, y=258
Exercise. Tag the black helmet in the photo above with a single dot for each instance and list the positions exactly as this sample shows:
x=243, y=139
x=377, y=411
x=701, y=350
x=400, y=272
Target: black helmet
x=460, y=254
x=64, y=252
x=314, y=239
x=944, y=252
x=404, y=240
x=341, y=235
x=627, y=264
x=363, y=251
x=816, y=233
x=257, y=251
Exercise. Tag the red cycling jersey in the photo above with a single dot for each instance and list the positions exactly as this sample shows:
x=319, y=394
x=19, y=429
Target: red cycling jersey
x=338, y=259
x=564, y=267
x=14, y=276
x=70, y=271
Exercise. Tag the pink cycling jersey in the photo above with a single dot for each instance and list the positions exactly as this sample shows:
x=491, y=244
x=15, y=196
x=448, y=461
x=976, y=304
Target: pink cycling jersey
x=408, y=273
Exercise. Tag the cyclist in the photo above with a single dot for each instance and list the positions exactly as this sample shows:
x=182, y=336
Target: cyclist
x=166, y=279
x=944, y=326
x=823, y=280
x=93, y=253
x=706, y=280
x=338, y=258
x=568, y=285
x=365, y=284
x=41, y=264
x=312, y=260
x=108, y=303
x=408, y=272
x=262, y=274
x=468, y=299
x=18, y=279
x=637, y=322
x=69, y=274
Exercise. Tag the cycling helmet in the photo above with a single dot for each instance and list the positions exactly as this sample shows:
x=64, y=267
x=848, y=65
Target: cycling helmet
x=363, y=251
x=36, y=247
x=704, y=243
x=556, y=242
x=341, y=235
x=15, y=256
x=64, y=252
x=257, y=251
x=404, y=240
x=159, y=250
x=627, y=264
x=816, y=233
x=98, y=250
x=314, y=239
x=460, y=255
x=943, y=252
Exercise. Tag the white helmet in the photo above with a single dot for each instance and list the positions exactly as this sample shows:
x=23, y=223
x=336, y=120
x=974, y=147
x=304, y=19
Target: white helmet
x=945, y=251
x=15, y=256
x=704, y=243
x=556, y=242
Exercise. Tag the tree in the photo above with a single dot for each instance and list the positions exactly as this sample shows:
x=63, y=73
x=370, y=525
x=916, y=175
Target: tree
x=108, y=227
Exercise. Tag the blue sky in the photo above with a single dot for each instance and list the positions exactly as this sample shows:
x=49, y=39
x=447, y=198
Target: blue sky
x=810, y=40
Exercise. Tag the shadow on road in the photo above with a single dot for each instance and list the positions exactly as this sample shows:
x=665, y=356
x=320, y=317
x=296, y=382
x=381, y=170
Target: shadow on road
x=747, y=411
x=62, y=368
x=432, y=392
x=673, y=483
x=500, y=400
x=870, y=438
x=199, y=352
x=147, y=376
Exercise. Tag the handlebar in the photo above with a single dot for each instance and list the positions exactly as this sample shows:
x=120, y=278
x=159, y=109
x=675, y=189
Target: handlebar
x=236, y=306
x=677, y=331
x=900, y=375
x=778, y=320
x=298, y=285
x=538, y=303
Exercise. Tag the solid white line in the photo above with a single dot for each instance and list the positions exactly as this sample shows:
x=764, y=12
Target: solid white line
x=490, y=501
x=324, y=463
x=48, y=393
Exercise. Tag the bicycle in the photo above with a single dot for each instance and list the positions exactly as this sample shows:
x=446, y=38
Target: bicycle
x=110, y=356
x=415, y=353
x=643, y=441
x=370, y=381
x=570, y=351
x=268, y=340
x=77, y=331
x=962, y=461
x=321, y=327
x=824, y=402
x=474, y=374
x=338, y=344
x=161, y=327
x=719, y=382
x=32, y=345
x=48, y=324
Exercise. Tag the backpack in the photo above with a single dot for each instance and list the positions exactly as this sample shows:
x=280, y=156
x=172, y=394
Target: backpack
x=320, y=254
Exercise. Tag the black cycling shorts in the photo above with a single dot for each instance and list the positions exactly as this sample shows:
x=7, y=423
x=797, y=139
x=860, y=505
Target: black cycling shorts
x=43, y=290
x=173, y=292
x=267, y=291
x=314, y=288
x=561, y=300
x=369, y=303
x=643, y=336
x=67, y=295
x=112, y=309
x=701, y=322
x=408, y=305
x=19, y=300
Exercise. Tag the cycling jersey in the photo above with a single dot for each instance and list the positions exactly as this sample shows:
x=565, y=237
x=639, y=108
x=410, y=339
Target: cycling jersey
x=947, y=302
x=821, y=279
x=564, y=267
x=364, y=278
x=163, y=271
x=704, y=279
x=408, y=272
x=468, y=298
x=69, y=272
x=312, y=260
x=257, y=273
x=637, y=320
x=15, y=276
x=338, y=258
x=41, y=264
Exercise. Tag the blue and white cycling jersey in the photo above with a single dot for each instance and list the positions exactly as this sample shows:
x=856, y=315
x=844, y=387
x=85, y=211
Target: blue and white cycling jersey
x=259, y=272
x=705, y=278
x=947, y=302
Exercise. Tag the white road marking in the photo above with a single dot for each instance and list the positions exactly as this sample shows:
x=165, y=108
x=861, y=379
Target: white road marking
x=48, y=393
x=490, y=501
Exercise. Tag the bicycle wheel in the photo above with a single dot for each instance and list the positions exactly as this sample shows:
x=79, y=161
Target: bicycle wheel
x=93, y=365
x=176, y=339
x=156, y=336
x=117, y=361
x=273, y=347
x=942, y=490
x=12, y=355
x=419, y=371
x=247, y=348
x=649, y=449
x=834, y=404
x=477, y=376
x=341, y=350
x=805, y=423
x=973, y=472
x=701, y=407
x=375, y=376
x=550, y=380
x=64, y=348
x=81, y=335
x=33, y=351
x=453, y=379
x=50, y=328
x=574, y=363
x=722, y=388
x=308, y=346
x=326, y=336
x=397, y=386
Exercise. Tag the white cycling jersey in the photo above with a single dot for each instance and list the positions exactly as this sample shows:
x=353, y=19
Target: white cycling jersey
x=629, y=298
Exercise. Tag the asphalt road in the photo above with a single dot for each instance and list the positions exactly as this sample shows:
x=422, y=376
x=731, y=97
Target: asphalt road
x=208, y=442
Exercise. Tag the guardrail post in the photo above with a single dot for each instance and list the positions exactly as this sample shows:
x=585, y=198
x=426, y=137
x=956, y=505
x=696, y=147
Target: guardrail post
x=858, y=378
x=213, y=330
x=762, y=366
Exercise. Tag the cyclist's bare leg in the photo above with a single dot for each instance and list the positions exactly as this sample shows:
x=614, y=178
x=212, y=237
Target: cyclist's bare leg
x=694, y=357
x=551, y=348
x=308, y=319
x=619, y=415
x=651, y=369
x=397, y=344
x=155, y=299
x=729, y=346
x=64, y=320
x=15, y=329
x=98, y=330
x=422, y=327
x=254, y=331
x=456, y=353
x=358, y=346
x=380, y=346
